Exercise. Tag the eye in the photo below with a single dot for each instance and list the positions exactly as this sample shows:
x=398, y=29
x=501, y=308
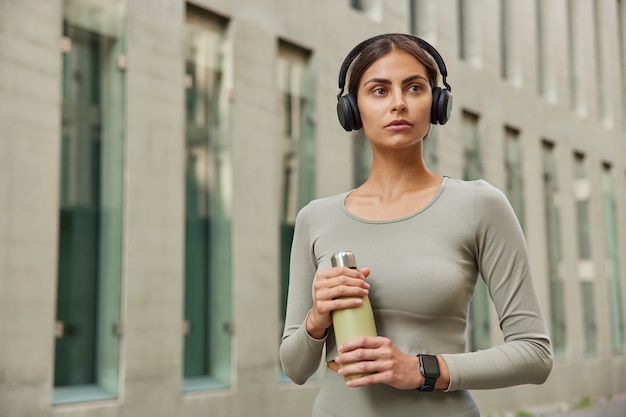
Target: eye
x=378, y=91
x=415, y=88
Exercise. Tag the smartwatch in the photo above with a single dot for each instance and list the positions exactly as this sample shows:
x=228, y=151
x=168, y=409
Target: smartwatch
x=429, y=367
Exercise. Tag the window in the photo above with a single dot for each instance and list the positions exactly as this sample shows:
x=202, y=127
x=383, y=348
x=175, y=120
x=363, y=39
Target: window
x=372, y=8
x=86, y=357
x=296, y=85
x=514, y=172
x=472, y=147
x=573, y=56
x=621, y=18
x=554, y=251
x=508, y=41
x=208, y=201
x=469, y=16
x=430, y=149
x=479, y=334
x=582, y=196
x=422, y=18
x=362, y=156
x=613, y=259
x=586, y=274
x=601, y=88
x=542, y=49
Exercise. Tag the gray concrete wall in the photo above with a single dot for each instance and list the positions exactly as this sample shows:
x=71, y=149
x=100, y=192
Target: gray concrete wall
x=152, y=344
x=29, y=170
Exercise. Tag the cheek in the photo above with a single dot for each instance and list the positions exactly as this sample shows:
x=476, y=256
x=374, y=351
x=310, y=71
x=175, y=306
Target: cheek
x=369, y=112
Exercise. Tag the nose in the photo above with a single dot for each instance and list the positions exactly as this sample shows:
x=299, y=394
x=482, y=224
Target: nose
x=398, y=103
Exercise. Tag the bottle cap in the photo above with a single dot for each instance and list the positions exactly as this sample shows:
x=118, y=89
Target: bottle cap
x=345, y=258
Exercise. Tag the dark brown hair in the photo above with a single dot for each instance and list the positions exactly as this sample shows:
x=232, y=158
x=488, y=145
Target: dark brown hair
x=383, y=46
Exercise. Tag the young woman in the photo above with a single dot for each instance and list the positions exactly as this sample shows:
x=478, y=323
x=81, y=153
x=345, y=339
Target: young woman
x=422, y=241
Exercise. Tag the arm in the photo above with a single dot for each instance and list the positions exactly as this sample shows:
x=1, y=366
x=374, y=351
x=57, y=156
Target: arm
x=526, y=355
x=309, y=316
x=300, y=353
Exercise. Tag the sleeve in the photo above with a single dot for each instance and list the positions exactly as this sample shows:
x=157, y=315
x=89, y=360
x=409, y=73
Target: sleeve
x=525, y=357
x=300, y=354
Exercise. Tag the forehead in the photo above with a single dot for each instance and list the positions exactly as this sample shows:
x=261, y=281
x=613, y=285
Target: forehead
x=395, y=64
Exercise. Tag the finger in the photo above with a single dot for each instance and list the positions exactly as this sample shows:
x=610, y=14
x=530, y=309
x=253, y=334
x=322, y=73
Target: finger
x=362, y=342
x=325, y=293
x=368, y=379
x=339, y=271
x=340, y=287
x=365, y=271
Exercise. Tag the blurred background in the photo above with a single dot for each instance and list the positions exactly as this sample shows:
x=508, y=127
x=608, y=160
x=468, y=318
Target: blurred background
x=154, y=154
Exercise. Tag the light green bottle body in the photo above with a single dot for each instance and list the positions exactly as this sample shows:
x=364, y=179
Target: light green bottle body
x=353, y=322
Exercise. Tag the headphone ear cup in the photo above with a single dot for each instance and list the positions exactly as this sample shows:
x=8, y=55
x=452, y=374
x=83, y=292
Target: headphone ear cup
x=348, y=113
x=441, y=107
x=434, y=108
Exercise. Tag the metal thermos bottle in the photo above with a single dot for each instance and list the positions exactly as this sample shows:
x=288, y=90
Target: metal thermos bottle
x=352, y=322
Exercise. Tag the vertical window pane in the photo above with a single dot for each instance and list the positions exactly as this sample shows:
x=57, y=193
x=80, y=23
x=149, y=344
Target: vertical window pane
x=367, y=6
x=541, y=46
x=621, y=18
x=514, y=171
x=553, y=239
x=575, y=78
x=586, y=274
x=590, y=327
x=91, y=201
x=296, y=85
x=582, y=195
x=469, y=15
x=472, y=147
x=601, y=93
x=362, y=156
x=430, y=149
x=208, y=205
x=615, y=290
x=506, y=39
x=422, y=18
x=479, y=335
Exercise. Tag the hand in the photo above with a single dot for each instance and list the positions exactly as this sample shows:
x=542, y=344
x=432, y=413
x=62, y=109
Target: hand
x=330, y=289
x=384, y=362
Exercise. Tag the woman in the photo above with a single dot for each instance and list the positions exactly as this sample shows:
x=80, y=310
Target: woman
x=423, y=240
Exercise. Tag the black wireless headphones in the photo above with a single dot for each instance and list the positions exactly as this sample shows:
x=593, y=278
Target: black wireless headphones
x=347, y=109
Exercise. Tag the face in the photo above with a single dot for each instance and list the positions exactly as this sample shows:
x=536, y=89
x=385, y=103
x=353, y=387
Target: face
x=394, y=99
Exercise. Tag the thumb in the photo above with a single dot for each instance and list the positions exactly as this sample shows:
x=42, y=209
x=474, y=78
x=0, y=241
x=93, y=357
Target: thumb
x=365, y=271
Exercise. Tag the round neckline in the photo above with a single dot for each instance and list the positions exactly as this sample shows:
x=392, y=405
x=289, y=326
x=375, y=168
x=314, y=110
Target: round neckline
x=347, y=212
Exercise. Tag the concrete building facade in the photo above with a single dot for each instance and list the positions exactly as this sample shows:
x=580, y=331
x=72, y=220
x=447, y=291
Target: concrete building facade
x=126, y=126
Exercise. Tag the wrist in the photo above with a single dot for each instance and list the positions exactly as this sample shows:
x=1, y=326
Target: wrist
x=429, y=368
x=313, y=329
x=443, y=382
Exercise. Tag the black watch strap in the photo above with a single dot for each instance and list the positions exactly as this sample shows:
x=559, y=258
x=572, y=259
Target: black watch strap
x=429, y=384
x=429, y=367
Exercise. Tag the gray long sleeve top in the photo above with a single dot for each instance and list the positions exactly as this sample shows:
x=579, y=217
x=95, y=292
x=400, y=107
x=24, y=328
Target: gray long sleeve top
x=424, y=268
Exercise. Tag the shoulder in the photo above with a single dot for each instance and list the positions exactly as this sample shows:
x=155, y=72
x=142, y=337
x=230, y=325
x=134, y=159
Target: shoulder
x=484, y=201
x=327, y=203
x=478, y=190
x=322, y=207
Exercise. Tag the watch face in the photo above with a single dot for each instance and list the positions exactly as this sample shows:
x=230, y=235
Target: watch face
x=431, y=366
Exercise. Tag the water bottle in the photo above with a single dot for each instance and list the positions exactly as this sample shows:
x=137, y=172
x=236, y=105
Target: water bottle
x=352, y=322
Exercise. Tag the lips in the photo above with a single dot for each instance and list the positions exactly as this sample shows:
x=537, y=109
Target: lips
x=398, y=124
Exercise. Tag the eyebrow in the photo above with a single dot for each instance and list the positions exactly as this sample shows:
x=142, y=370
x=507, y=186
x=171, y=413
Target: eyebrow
x=387, y=82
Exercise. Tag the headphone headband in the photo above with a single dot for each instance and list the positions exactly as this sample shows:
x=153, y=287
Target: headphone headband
x=343, y=72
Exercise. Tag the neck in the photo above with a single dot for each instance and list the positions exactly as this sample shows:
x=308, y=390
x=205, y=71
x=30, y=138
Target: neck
x=398, y=172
